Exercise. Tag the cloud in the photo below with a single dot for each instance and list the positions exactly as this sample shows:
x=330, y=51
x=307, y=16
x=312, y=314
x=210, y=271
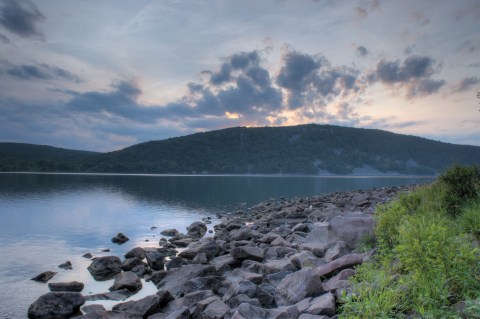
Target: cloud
x=361, y=13
x=312, y=80
x=413, y=75
x=21, y=17
x=37, y=72
x=4, y=39
x=361, y=51
x=465, y=84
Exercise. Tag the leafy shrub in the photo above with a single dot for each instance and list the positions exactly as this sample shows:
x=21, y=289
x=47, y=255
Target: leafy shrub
x=463, y=184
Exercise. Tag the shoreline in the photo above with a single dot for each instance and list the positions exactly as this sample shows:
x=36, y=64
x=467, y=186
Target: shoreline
x=254, y=261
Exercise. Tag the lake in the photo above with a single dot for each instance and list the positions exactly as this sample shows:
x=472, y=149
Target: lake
x=47, y=219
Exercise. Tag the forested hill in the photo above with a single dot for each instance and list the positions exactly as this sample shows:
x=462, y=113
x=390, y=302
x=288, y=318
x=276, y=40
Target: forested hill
x=20, y=157
x=303, y=149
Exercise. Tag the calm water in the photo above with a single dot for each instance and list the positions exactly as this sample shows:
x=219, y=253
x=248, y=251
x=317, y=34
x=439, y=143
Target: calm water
x=46, y=219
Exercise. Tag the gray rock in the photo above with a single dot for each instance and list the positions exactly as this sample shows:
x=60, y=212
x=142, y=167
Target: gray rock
x=189, y=301
x=200, y=258
x=274, y=266
x=241, y=298
x=207, y=246
x=175, y=262
x=309, y=316
x=224, y=262
x=66, y=286
x=339, y=281
x=203, y=283
x=347, y=261
x=130, y=263
x=297, y=286
x=56, y=305
x=120, y=238
x=182, y=242
x=144, y=307
x=104, y=268
x=66, y=265
x=323, y=305
x=169, y=232
x=216, y=310
x=155, y=260
x=127, y=280
x=182, y=313
x=136, y=252
x=174, y=282
x=276, y=278
x=247, y=252
x=87, y=255
x=103, y=314
x=196, y=230
x=92, y=308
x=117, y=295
x=317, y=248
x=306, y=259
x=157, y=276
x=352, y=228
x=142, y=270
x=336, y=251
x=44, y=276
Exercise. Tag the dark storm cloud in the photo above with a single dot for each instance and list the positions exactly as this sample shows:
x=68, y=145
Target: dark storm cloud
x=361, y=51
x=120, y=102
x=414, y=74
x=37, y=72
x=21, y=17
x=466, y=83
x=238, y=61
x=312, y=80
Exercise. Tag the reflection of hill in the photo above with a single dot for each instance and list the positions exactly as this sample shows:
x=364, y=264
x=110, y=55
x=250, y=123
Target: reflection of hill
x=196, y=192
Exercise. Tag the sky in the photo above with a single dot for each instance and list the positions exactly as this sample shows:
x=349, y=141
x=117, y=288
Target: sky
x=104, y=75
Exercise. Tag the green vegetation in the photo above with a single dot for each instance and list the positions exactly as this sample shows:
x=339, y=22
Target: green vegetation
x=428, y=255
x=19, y=157
x=303, y=149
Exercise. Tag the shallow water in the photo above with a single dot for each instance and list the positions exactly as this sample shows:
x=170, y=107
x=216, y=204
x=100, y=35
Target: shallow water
x=46, y=219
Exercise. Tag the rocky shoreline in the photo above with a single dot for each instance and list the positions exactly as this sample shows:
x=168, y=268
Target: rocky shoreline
x=281, y=259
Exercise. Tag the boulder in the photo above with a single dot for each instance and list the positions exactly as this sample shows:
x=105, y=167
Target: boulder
x=155, y=260
x=120, y=238
x=87, y=255
x=207, y=246
x=157, y=276
x=247, y=252
x=169, y=232
x=136, y=252
x=175, y=262
x=347, y=261
x=339, y=281
x=130, y=263
x=203, y=283
x=216, y=310
x=274, y=266
x=182, y=242
x=144, y=307
x=200, y=258
x=127, y=280
x=196, y=230
x=174, y=282
x=104, y=268
x=241, y=298
x=297, y=286
x=352, y=228
x=323, y=305
x=336, y=251
x=66, y=265
x=44, y=276
x=56, y=305
x=117, y=295
x=92, y=308
x=66, y=286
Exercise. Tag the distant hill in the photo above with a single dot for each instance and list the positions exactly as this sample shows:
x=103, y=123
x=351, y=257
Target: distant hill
x=20, y=157
x=303, y=149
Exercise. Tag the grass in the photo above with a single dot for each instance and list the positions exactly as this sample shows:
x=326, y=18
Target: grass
x=428, y=257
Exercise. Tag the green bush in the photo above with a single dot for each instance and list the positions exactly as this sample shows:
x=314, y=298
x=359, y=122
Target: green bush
x=463, y=184
x=428, y=257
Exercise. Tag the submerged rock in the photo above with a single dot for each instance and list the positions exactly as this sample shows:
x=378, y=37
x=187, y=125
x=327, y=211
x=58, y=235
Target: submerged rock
x=120, y=238
x=44, y=276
